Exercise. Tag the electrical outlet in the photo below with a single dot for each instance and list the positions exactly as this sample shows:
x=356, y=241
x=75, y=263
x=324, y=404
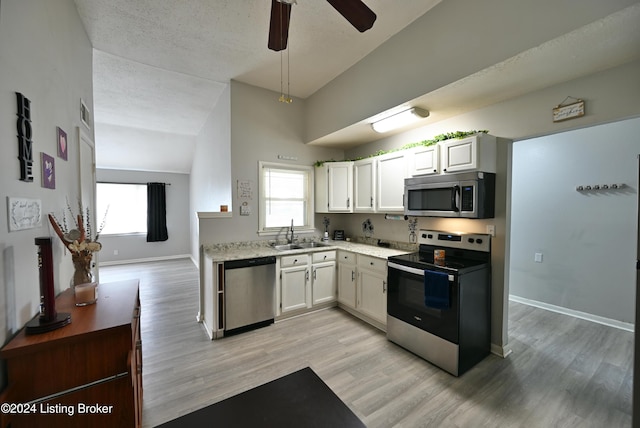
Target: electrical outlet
x=116, y=252
x=537, y=257
x=491, y=229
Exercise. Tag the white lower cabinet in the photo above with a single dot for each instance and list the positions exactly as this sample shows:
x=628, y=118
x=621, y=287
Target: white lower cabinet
x=347, y=278
x=372, y=287
x=323, y=278
x=307, y=280
x=295, y=289
x=362, y=286
x=324, y=283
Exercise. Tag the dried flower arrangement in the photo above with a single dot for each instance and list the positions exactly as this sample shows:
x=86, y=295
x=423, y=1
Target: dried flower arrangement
x=77, y=237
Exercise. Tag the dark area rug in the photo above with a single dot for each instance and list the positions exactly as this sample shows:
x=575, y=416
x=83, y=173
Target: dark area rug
x=300, y=399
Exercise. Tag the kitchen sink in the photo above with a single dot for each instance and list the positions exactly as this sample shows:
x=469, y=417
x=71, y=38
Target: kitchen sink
x=312, y=245
x=300, y=246
x=285, y=247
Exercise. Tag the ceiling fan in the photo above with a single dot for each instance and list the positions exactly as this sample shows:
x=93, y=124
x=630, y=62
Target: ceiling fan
x=354, y=11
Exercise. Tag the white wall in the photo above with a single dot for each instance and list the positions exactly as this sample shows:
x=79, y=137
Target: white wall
x=136, y=247
x=587, y=238
x=261, y=129
x=46, y=55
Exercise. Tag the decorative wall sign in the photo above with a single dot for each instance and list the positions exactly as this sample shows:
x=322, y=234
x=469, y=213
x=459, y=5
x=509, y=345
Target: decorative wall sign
x=24, y=213
x=568, y=111
x=245, y=189
x=48, y=171
x=25, y=145
x=62, y=144
x=85, y=114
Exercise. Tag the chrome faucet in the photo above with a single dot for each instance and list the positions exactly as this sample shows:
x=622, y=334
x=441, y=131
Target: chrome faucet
x=290, y=241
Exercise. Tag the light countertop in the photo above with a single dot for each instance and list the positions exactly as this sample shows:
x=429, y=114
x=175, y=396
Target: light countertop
x=247, y=250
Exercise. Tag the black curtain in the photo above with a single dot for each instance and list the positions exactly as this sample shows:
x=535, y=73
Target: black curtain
x=156, y=212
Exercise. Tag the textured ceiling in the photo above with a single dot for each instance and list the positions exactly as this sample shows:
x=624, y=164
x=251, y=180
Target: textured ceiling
x=160, y=65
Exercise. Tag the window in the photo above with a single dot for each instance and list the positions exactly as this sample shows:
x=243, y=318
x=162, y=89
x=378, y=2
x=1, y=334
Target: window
x=285, y=194
x=127, y=205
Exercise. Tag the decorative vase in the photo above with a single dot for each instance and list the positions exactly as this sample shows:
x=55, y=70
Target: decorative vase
x=85, y=289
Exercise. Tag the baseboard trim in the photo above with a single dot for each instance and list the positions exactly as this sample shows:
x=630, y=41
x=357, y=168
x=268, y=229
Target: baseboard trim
x=577, y=314
x=148, y=259
x=500, y=351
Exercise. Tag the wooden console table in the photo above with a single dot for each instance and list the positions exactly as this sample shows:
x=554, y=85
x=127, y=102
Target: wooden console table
x=88, y=373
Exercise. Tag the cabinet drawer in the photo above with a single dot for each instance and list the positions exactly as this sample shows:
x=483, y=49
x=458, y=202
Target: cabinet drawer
x=346, y=257
x=294, y=260
x=372, y=263
x=323, y=256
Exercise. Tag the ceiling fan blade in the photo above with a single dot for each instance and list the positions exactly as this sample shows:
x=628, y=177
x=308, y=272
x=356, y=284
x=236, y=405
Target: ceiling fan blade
x=356, y=12
x=279, y=25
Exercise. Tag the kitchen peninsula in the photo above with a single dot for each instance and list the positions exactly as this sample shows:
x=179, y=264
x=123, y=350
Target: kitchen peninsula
x=351, y=275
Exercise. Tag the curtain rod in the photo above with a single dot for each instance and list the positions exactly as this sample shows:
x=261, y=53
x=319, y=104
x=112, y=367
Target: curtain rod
x=121, y=182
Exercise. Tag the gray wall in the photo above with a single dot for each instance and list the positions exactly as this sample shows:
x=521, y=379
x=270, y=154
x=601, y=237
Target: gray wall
x=587, y=238
x=46, y=55
x=453, y=40
x=210, y=178
x=136, y=247
x=261, y=129
x=610, y=95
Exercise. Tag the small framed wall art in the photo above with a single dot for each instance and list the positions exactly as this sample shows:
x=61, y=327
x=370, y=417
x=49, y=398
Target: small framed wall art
x=62, y=143
x=85, y=114
x=48, y=171
x=565, y=111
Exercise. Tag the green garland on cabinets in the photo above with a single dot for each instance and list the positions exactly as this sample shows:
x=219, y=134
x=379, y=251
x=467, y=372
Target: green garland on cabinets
x=435, y=140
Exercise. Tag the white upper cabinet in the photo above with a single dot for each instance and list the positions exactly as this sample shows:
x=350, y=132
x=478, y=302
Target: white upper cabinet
x=334, y=187
x=424, y=160
x=477, y=152
x=364, y=190
x=392, y=170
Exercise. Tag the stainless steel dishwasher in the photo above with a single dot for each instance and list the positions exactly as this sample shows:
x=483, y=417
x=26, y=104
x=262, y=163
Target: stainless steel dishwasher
x=249, y=294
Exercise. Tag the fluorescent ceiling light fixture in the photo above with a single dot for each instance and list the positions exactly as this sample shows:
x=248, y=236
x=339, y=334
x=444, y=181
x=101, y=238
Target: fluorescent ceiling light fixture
x=399, y=120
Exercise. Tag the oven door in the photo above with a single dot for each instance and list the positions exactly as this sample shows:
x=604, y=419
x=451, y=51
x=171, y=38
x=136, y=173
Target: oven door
x=406, y=302
x=432, y=199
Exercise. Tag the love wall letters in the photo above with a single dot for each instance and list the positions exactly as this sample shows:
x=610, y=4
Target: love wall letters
x=25, y=145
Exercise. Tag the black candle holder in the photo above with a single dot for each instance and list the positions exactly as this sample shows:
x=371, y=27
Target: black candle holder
x=48, y=319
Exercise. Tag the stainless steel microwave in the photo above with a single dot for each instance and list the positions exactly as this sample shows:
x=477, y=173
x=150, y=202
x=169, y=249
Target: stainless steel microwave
x=465, y=195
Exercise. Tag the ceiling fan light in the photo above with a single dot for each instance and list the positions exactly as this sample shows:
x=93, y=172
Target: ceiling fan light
x=399, y=120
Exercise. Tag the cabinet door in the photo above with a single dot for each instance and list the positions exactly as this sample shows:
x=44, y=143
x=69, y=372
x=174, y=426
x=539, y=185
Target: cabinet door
x=347, y=284
x=340, y=186
x=392, y=170
x=459, y=155
x=324, y=282
x=424, y=160
x=364, y=187
x=372, y=295
x=293, y=289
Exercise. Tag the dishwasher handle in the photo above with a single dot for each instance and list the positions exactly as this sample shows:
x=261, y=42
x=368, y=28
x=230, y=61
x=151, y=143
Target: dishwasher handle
x=244, y=263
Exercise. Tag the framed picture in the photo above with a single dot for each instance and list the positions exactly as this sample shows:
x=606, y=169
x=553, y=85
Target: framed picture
x=85, y=114
x=62, y=144
x=48, y=171
x=24, y=213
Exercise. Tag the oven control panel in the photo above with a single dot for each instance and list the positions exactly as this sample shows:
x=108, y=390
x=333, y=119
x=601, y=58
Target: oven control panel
x=466, y=241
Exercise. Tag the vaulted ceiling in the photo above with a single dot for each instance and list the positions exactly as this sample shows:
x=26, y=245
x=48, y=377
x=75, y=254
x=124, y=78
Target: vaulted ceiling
x=160, y=65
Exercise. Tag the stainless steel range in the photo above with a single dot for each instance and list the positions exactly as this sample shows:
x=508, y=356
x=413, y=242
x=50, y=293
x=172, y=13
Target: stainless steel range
x=439, y=299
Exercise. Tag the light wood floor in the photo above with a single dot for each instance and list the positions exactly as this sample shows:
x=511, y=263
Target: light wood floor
x=563, y=372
